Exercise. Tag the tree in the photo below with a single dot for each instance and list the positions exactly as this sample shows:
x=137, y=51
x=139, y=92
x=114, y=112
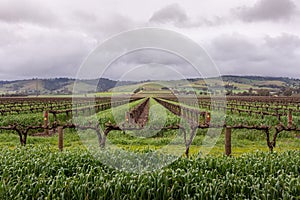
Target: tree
x=250, y=90
x=137, y=90
x=229, y=92
x=263, y=92
x=288, y=92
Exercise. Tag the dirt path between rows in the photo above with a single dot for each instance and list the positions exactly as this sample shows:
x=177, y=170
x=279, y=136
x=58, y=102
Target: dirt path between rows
x=144, y=117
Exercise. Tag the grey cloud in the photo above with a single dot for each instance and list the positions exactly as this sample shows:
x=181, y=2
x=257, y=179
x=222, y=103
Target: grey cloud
x=230, y=47
x=174, y=14
x=237, y=54
x=8, y=35
x=30, y=11
x=284, y=43
x=33, y=46
x=267, y=10
x=215, y=21
x=170, y=14
x=45, y=53
x=100, y=26
x=142, y=63
x=48, y=41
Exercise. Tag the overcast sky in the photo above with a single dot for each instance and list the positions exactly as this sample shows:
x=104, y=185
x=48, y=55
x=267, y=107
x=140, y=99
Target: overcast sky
x=51, y=38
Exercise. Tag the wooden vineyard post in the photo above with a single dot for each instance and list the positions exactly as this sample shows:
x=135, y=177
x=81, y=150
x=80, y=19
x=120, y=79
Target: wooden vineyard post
x=207, y=118
x=228, y=141
x=68, y=115
x=46, y=121
x=290, y=119
x=60, y=138
x=127, y=117
x=182, y=112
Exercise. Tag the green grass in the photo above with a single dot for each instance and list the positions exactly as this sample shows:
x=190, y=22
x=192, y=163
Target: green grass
x=40, y=171
x=71, y=140
x=242, y=142
x=36, y=172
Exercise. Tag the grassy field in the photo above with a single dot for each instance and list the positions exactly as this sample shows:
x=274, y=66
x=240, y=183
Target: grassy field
x=126, y=168
x=242, y=142
x=36, y=172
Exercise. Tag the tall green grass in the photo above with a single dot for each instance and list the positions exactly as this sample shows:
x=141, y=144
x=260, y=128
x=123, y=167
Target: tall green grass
x=41, y=173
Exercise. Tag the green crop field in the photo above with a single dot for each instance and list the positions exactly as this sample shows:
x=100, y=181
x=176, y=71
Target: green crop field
x=256, y=168
x=42, y=173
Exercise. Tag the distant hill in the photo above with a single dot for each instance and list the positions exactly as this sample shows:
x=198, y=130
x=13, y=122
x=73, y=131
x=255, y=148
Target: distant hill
x=57, y=86
x=231, y=85
x=237, y=85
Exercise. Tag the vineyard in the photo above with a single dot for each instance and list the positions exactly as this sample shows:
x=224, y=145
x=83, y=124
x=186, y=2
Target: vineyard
x=32, y=128
x=270, y=115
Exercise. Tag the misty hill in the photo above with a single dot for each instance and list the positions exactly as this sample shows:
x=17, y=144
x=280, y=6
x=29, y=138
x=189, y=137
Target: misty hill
x=57, y=86
x=232, y=84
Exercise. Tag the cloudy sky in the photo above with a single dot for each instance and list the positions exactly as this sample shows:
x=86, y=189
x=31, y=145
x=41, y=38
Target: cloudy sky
x=52, y=38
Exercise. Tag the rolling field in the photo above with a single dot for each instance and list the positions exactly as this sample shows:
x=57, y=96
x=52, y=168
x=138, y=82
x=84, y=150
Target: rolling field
x=263, y=162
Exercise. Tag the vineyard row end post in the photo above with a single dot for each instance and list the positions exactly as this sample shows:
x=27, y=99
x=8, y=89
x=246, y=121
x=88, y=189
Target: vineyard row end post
x=60, y=138
x=228, y=141
x=46, y=121
x=290, y=119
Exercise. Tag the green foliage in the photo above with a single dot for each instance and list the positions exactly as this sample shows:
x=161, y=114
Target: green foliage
x=22, y=119
x=55, y=84
x=35, y=172
x=41, y=173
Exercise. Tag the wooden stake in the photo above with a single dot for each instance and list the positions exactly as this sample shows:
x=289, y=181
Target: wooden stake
x=60, y=138
x=46, y=121
x=228, y=141
x=290, y=119
x=207, y=117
